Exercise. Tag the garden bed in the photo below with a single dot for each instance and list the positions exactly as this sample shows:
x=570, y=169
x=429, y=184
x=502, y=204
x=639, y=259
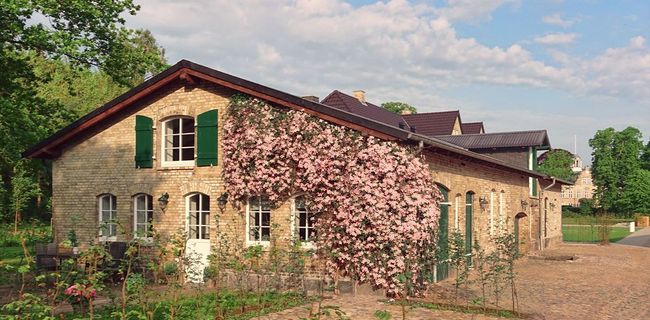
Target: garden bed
x=203, y=306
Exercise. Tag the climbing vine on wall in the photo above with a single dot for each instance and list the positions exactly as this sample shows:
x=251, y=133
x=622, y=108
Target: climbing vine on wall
x=376, y=204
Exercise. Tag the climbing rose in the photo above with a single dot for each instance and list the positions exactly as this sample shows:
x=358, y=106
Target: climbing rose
x=376, y=202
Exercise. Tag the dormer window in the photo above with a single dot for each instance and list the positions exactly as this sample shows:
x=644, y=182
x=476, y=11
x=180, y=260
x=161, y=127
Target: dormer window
x=178, y=142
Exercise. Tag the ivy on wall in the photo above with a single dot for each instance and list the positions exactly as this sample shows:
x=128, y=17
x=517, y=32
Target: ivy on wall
x=377, y=206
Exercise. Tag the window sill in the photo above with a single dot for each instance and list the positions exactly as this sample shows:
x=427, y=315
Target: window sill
x=166, y=168
x=264, y=244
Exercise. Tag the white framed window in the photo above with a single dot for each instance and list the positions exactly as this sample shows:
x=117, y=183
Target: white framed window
x=107, y=217
x=143, y=216
x=304, y=222
x=178, y=142
x=258, y=221
x=198, y=215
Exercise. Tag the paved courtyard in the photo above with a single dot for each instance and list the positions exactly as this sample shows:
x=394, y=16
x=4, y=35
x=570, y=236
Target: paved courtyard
x=605, y=282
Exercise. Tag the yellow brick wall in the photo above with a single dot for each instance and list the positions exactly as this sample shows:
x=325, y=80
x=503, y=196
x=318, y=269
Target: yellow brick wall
x=461, y=176
x=104, y=163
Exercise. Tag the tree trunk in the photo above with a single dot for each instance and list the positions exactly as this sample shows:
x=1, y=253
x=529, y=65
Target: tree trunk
x=16, y=221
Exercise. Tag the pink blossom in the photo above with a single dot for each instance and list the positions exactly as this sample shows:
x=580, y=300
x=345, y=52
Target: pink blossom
x=377, y=204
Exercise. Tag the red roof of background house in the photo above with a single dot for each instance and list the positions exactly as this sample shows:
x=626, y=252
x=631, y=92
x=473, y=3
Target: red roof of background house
x=532, y=138
x=472, y=127
x=433, y=123
x=340, y=100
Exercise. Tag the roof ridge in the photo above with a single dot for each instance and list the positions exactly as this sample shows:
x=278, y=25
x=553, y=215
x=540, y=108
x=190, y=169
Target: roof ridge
x=495, y=133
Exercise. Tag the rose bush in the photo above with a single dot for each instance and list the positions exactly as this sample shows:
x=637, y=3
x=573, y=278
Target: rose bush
x=376, y=202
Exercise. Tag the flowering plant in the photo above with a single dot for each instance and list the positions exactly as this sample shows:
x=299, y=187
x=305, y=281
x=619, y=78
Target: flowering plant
x=80, y=293
x=376, y=202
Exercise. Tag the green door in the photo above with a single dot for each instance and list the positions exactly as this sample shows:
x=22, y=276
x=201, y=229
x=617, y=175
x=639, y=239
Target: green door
x=442, y=268
x=469, y=197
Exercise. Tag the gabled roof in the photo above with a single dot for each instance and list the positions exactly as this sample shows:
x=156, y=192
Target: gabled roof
x=472, y=128
x=433, y=123
x=534, y=138
x=340, y=100
x=189, y=72
x=186, y=71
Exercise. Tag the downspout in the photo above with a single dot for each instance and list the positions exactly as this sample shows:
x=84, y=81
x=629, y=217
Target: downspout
x=539, y=200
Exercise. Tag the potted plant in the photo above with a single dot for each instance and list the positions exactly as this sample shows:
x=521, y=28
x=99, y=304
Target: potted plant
x=70, y=245
x=74, y=243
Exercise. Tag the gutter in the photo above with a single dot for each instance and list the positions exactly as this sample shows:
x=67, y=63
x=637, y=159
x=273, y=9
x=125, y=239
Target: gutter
x=542, y=240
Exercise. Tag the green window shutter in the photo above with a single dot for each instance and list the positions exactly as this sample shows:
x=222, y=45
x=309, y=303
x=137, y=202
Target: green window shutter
x=206, y=138
x=143, y=142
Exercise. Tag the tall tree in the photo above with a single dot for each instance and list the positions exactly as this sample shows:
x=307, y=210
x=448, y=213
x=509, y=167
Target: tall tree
x=399, y=107
x=51, y=55
x=645, y=157
x=615, y=159
x=557, y=164
x=636, y=196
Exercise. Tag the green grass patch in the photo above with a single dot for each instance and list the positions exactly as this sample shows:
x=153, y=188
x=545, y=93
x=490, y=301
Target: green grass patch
x=591, y=234
x=12, y=255
x=34, y=232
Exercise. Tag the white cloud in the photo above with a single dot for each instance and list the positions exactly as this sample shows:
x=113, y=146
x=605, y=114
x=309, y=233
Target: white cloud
x=557, y=20
x=471, y=10
x=392, y=49
x=556, y=38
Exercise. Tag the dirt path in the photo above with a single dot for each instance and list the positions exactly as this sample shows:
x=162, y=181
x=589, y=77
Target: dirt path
x=605, y=282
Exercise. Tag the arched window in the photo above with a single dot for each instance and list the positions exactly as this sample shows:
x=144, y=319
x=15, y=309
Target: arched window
x=107, y=217
x=198, y=213
x=258, y=220
x=178, y=142
x=143, y=216
x=304, y=220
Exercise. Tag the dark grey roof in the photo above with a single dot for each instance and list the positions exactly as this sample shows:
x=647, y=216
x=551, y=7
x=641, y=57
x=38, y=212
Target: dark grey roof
x=534, y=138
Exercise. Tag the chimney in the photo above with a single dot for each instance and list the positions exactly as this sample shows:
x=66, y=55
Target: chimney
x=311, y=98
x=360, y=95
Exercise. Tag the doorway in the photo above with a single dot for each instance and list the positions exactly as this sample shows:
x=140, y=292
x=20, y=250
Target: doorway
x=197, y=249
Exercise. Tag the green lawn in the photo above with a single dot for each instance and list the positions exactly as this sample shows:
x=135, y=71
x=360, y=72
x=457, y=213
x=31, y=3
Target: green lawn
x=591, y=233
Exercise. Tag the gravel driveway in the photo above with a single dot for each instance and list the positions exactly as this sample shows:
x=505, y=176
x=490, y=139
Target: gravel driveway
x=604, y=282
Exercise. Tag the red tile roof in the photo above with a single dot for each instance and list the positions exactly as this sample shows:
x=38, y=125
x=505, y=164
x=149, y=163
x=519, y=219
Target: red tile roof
x=472, y=128
x=433, y=123
x=340, y=100
x=533, y=138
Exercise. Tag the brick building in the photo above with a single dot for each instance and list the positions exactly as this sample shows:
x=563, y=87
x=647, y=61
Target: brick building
x=582, y=188
x=160, y=140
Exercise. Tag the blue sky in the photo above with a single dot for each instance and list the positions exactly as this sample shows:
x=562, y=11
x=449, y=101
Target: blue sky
x=571, y=67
